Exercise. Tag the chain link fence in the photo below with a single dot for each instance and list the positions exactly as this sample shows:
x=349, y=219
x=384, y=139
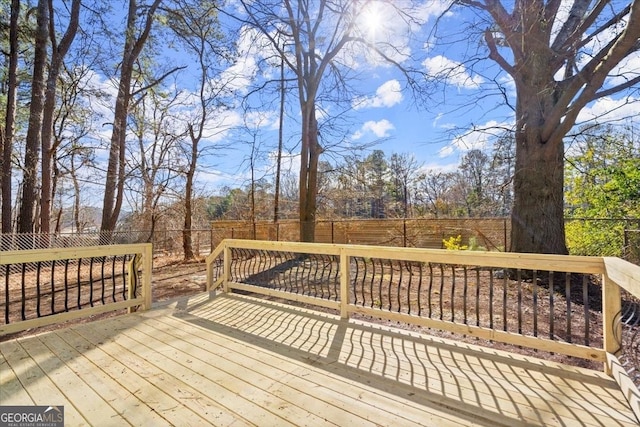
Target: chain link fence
x=167, y=242
x=631, y=251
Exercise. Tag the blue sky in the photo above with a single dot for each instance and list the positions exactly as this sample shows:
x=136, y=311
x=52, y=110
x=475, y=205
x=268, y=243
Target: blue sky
x=437, y=133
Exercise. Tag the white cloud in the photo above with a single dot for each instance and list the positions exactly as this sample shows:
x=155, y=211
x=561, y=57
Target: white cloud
x=608, y=109
x=451, y=72
x=385, y=24
x=380, y=129
x=629, y=68
x=478, y=138
x=436, y=122
x=387, y=95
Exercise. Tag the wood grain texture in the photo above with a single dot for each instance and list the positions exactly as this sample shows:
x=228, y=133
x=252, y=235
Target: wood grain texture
x=232, y=360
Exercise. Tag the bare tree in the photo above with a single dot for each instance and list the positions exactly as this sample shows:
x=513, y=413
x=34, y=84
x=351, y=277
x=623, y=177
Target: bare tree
x=9, y=124
x=316, y=33
x=433, y=192
x=196, y=26
x=404, y=172
x=155, y=162
x=561, y=58
x=34, y=131
x=134, y=42
x=58, y=52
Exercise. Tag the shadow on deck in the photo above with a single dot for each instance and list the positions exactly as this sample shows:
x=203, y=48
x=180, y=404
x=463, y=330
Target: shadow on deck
x=237, y=360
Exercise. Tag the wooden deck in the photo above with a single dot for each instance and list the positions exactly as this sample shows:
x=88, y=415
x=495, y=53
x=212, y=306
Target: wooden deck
x=233, y=360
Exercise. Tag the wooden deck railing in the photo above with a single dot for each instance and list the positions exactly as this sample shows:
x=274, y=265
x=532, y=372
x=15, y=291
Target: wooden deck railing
x=47, y=286
x=562, y=304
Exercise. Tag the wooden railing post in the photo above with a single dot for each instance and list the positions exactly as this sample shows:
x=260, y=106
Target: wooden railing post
x=344, y=283
x=147, y=268
x=611, y=322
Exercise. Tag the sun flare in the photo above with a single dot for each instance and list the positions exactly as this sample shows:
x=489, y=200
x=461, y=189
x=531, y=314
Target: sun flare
x=371, y=19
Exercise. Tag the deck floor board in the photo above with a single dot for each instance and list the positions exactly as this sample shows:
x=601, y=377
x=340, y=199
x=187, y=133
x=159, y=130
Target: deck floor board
x=236, y=360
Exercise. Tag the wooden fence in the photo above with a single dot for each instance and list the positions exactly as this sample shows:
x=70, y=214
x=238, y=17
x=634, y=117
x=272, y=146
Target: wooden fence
x=490, y=233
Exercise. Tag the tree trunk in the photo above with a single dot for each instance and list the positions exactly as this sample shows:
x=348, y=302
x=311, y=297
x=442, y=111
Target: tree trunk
x=7, y=140
x=310, y=155
x=537, y=217
x=276, y=197
x=34, y=131
x=187, y=240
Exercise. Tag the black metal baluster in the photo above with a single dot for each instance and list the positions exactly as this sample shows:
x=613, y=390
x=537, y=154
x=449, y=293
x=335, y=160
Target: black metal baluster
x=420, y=289
x=53, y=287
x=519, y=279
x=390, y=285
x=301, y=273
x=66, y=285
x=313, y=271
x=113, y=279
x=535, y=302
x=409, y=267
x=330, y=281
x=478, y=297
x=505, y=315
x=7, y=273
x=268, y=259
x=78, y=282
x=278, y=278
x=430, y=288
x=124, y=278
x=441, y=292
x=102, y=283
x=24, y=292
x=585, y=302
x=354, y=281
x=249, y=265
x=568, y=298
x=453, y=292
x=491, y=294
x=464, y=295
x=294, y=263
x=91, y=281
x=551, y=304
x=380, y=282
x=38, y=268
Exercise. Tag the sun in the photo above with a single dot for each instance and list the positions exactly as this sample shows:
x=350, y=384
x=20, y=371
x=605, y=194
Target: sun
x=371, y=19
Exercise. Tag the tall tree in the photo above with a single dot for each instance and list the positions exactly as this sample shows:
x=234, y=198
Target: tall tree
x=196, y=26
x=315, y=34
x=135, y=40
x=58, y=52
x=9, y=124
x=156, y=159
x=561, y=57
x=34, y=131
x=404, y=171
